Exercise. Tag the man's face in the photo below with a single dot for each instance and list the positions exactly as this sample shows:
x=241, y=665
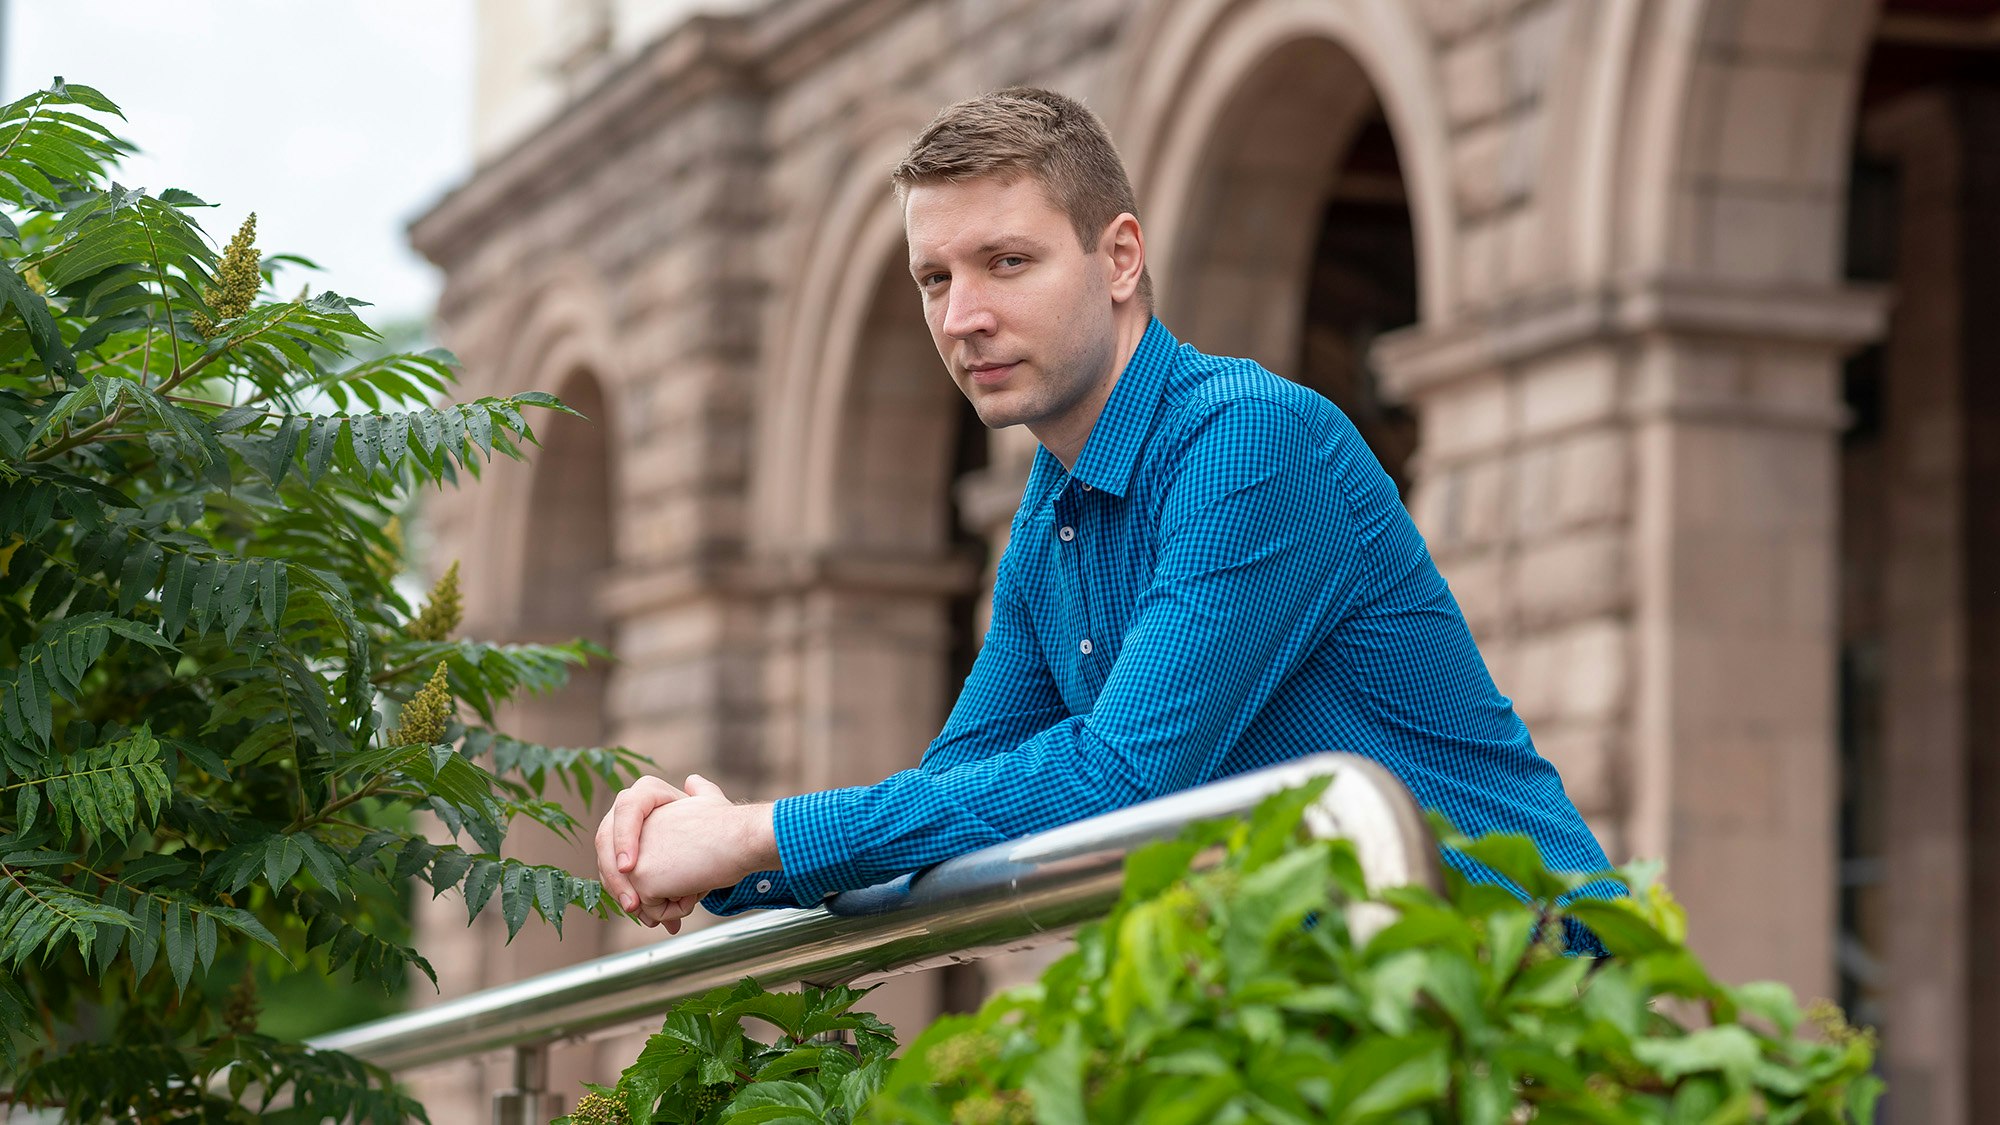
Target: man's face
x=1020, y=313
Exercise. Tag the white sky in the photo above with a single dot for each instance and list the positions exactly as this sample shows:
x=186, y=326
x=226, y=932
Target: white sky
x=337, y=121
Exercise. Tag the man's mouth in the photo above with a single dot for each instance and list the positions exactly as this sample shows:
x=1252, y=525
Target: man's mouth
x=986, y=374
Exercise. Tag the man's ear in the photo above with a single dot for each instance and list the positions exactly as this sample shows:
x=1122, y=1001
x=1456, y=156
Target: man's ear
x=1123, y=250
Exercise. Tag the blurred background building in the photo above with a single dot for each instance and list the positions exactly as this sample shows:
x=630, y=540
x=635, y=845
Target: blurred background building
x=1665, y=313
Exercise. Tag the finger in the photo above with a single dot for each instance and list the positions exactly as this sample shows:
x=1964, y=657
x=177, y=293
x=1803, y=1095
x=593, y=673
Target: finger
x=699, y=786
x=618, y=851
x=666, y=912
x=616, y=884
x=652, y=911
x=616, y=857
x=678, y=909
x=629, y=812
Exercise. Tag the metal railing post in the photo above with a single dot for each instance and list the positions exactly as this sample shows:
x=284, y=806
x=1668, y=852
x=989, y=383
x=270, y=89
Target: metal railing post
x=529, y=1102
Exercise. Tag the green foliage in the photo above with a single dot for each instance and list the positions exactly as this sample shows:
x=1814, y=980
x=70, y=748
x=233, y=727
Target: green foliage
x=201, y=647
x=702, y=1068
x=1239, y=994
x=1239, y=991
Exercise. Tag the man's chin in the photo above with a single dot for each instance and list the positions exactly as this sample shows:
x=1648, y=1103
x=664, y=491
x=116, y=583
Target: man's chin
x=996, y=413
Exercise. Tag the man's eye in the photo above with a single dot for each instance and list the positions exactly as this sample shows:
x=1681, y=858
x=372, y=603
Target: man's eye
x=930, y=279
x=1012, y=260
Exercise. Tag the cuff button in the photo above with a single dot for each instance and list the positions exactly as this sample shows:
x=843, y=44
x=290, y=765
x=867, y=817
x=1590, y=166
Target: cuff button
x=763, y=886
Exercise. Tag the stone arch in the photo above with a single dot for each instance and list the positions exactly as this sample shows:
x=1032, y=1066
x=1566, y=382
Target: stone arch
x=569, y=514
x=1586, y=101
x=565, y=334
x=818, y=331
x=860, y=456
x=1184, y=71
x=1285, y=231
x=862, y=329
x=1737, y=130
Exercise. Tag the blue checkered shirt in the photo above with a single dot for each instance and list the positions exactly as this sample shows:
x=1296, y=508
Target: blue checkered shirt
x=1226, y=580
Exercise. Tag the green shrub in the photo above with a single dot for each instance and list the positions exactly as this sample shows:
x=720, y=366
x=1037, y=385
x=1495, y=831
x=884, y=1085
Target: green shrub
x=216, y=715
x=1239, y=994
x=703, y=1067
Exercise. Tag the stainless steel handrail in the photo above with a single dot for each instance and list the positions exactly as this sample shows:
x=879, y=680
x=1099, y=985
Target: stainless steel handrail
x=1010, y=896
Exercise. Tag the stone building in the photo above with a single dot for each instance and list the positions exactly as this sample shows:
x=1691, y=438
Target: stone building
x=1664, y=313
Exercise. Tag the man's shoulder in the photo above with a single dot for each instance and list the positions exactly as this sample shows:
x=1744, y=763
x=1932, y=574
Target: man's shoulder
x=1215, y=398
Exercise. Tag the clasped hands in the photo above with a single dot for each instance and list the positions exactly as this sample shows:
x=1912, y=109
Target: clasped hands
x=661, y=848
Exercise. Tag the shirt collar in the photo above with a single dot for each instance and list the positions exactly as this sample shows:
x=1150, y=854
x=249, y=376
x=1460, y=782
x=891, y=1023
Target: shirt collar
x=1112, y=449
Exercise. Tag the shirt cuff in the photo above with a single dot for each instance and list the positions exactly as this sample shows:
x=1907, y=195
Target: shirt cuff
x=760, y=890
x=812, y=843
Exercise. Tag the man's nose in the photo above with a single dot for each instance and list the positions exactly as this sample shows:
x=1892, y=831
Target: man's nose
x=967, y=312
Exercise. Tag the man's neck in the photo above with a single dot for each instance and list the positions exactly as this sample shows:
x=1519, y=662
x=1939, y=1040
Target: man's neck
x=1065, y=437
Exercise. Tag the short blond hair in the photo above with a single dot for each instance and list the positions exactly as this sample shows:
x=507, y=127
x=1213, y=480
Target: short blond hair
x=1028, y=131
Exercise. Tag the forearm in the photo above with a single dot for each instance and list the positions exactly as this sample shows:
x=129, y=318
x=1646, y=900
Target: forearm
x=844, y=838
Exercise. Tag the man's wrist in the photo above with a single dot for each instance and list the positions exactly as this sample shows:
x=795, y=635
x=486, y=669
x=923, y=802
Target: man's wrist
x=759, y=839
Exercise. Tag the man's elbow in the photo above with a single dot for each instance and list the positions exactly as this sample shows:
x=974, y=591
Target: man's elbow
x=1120, y=776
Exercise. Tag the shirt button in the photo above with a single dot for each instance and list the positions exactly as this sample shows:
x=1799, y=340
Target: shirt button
x=763, y=886
x=1083, y=646
x=1067, y=533
x=1086, y=486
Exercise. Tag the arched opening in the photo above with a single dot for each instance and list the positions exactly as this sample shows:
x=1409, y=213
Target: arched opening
x=1920, y=565
x=569, y=517
x=1362, y=284
x=1297, y=248
x=558, y=509
x=903, y=433
x=566, y=557
x=898, y=584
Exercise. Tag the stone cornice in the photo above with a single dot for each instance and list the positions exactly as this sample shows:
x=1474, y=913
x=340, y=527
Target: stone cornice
x=793, y=37
x=748, y=52
x=705, y=54
x=1839, y=318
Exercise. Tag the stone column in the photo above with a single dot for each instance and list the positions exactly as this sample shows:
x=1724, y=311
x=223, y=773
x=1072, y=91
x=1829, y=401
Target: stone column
x=1981, y=358
x=1735, y=756
x=1924, y=627
x=1941, y=478
x=1633, y=495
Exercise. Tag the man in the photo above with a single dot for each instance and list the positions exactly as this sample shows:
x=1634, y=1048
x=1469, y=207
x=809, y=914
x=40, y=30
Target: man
x=1209, y=571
